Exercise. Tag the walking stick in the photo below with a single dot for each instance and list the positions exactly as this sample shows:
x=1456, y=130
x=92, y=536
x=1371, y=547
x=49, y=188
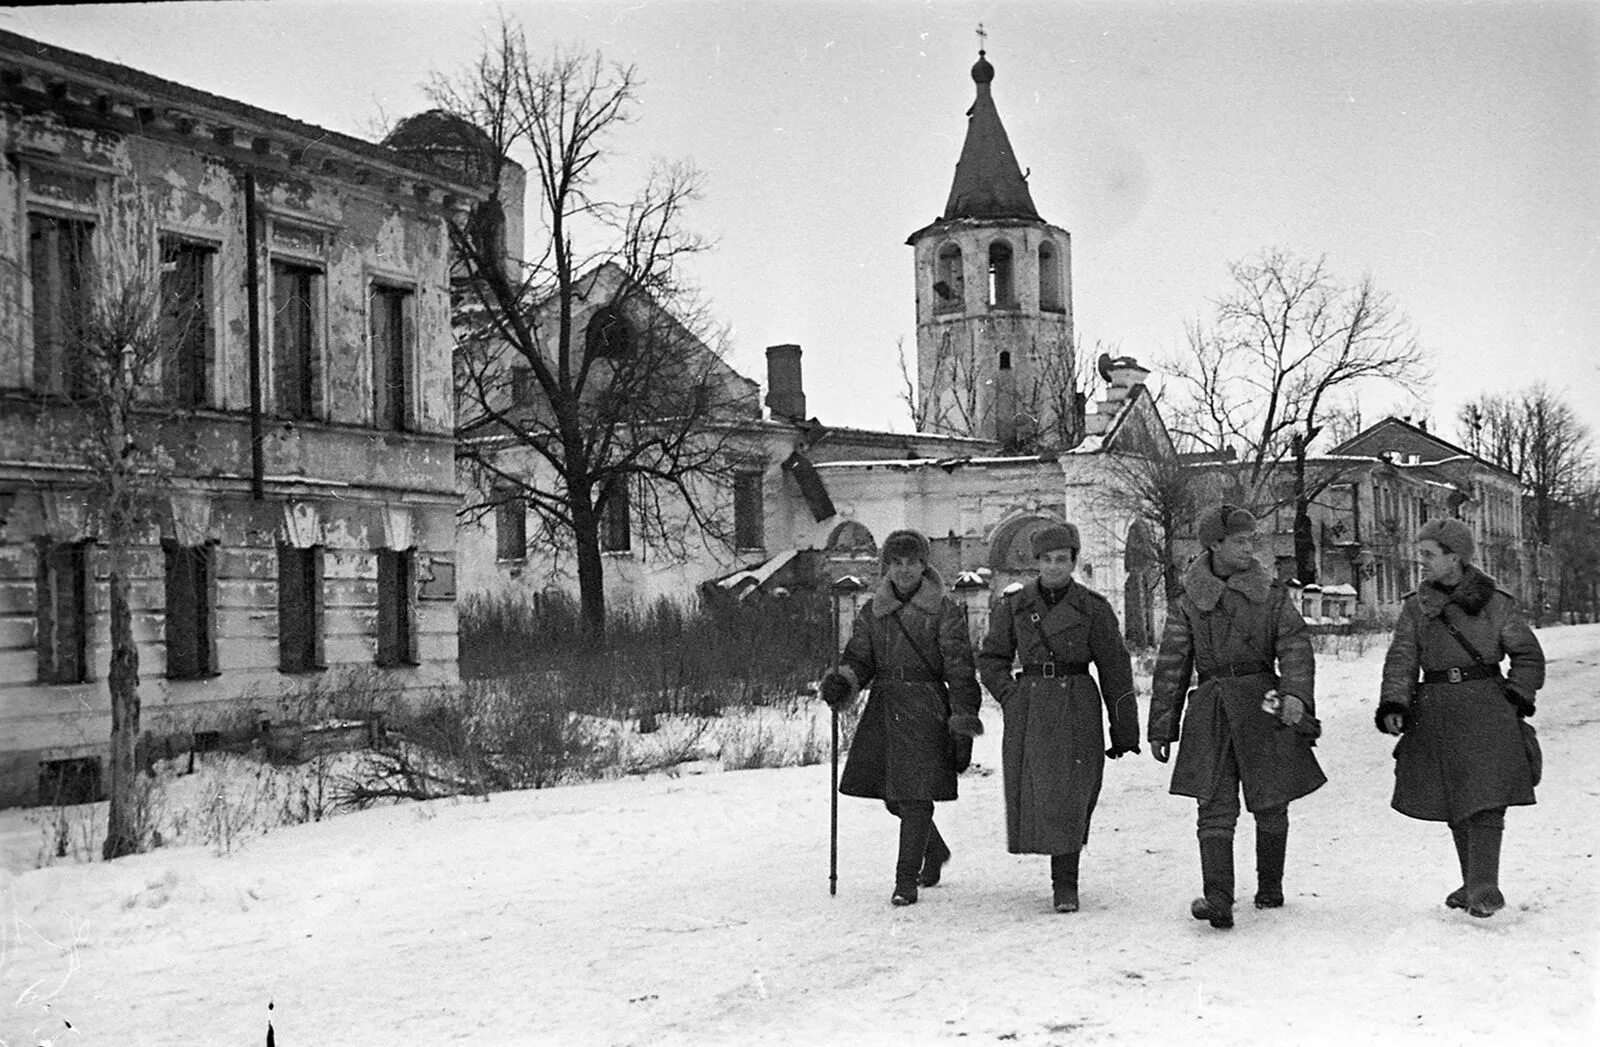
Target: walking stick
x=833, y=777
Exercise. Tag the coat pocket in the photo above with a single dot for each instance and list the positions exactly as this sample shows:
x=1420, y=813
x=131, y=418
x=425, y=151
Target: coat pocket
x=1530, y=745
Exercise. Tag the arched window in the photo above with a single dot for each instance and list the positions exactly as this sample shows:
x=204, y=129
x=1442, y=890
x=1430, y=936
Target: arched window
x=1002, y=288
x=949, y=285
x=1050, y=296
x=852, y=539
x=608, y=334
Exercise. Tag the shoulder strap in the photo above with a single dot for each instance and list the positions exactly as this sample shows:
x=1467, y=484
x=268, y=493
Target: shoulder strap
x=921, y=657
x=1465, y=643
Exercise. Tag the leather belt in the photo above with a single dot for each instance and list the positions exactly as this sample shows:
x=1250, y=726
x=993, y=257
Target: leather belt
x=917, y=675
x=1235, y=669
x=1051, y=670
x=1461, y=674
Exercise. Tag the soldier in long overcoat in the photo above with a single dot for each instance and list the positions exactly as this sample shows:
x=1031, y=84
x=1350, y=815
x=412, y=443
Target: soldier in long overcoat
x=1054, y=752
x=1251, y=721
x=1462, y=758
x=910, y=649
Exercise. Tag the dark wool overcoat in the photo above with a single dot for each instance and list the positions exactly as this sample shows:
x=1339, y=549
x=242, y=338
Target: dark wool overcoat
x=1053, y=751
x=1246, y=619
x=902, y=748
x=1461, y=752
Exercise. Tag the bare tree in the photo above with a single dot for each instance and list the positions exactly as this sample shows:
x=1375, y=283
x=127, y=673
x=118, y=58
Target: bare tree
x=1536, y=435
x=115, y=345
x=584, y=377
x=1287, y=344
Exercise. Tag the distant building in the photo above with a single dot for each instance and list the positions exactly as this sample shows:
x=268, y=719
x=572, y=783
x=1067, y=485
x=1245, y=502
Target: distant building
x=309, y=525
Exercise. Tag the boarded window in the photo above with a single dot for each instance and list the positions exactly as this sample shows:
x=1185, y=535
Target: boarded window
x=186, y=332
x=190, y=589
x=749, y=530
x=71, y=781
x=521, y=385
x=391, y=357
x=62, y=612
x=1050, y=297
x=510, y=525
x=616, y=527
x=294, y=344
x=299, y=609
x=59, y=264
x=396, y=616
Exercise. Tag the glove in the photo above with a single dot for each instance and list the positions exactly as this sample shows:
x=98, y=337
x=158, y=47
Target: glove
x=835, y=690
x=1162, y=751
x=965, y=725
x=1520, y=702
x=1385, y=711
x=1116, y=752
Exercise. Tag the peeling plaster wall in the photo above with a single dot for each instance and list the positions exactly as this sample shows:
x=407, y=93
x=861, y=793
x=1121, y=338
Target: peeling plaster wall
x=359, y=232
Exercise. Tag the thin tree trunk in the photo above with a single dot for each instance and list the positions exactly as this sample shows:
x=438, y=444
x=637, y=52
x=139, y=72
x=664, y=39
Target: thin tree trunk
x=591, y=574
x=122, y=829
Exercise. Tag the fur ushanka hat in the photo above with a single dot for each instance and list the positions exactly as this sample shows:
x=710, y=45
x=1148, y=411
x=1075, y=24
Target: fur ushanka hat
x=903, y=545
x=1453, y=535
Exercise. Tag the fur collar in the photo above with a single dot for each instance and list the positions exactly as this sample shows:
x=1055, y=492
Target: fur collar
x=1471, y=594
x=928, y=597
x=1204, y=588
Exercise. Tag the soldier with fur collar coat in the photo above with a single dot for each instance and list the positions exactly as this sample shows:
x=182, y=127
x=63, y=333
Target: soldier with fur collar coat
x=1462, y=758
x=1250, y=722
x=1043, y=637
x=909, y=647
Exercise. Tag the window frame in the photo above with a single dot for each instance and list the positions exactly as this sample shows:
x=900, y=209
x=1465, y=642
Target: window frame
x=397, y=608
x=304, y=569
x=510, y=520
x=616, y=517
x=182, y=386
x=51, y=591
x=394, y=369
x=749, y=510
x=189, y=577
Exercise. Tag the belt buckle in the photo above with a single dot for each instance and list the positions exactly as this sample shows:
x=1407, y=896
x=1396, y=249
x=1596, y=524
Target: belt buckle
x=1048, y=670
x=1454, y=673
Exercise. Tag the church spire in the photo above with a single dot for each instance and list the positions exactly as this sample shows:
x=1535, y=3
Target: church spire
x=988, y=182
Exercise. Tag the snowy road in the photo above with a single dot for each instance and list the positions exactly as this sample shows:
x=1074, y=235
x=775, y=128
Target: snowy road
x=695, y=911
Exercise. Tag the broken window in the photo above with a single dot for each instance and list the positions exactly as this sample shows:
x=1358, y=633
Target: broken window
x=299, y=609
x=391, y=375
x=949, y=283
x=616, y=529
x=396, y=617
x=1002, y=290
x=190, y=601
x=61, y=610
x=510, y=525
x=294, y=344
x=748, y=523
x=608, y=334
x=59, y=267
x=1050, y=296
x=187, y=337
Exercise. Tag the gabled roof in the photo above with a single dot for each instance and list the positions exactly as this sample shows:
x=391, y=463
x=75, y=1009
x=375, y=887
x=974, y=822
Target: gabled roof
x=988, y=183
x=1397, y=434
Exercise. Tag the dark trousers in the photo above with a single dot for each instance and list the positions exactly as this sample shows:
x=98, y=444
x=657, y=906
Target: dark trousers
x=1219, y=812
x=916, y=827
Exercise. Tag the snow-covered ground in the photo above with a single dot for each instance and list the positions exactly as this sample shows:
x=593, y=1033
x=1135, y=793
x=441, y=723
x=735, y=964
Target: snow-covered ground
x=695, y=910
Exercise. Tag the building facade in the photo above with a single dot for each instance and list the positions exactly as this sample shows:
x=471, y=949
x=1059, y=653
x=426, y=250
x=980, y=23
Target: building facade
x=303, y=519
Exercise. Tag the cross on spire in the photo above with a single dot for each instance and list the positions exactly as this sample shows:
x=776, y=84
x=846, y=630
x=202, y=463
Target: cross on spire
x=983, y=38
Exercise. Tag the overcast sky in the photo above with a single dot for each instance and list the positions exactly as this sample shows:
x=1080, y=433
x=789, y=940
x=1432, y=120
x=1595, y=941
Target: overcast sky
x=1450, y=149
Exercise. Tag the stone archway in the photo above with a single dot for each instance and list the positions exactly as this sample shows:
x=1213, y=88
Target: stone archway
x=1011, y=556
x=852, y=550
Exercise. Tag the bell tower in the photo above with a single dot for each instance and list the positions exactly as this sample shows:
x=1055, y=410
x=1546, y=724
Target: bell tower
x=994, y=300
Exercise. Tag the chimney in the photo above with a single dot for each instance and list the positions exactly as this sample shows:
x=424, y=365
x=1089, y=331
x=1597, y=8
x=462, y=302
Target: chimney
x=786, y=395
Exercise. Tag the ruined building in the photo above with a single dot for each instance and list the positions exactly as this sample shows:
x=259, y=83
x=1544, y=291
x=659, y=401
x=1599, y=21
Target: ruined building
x=302, y=410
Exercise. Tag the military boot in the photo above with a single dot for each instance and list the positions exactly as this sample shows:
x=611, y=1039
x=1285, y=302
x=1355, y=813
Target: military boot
x=1064, y=881
x=1270, y=848
x=1216, y=873
x=908, y=864
x=1457, y=899
x=1483, y=871
x=933, y=859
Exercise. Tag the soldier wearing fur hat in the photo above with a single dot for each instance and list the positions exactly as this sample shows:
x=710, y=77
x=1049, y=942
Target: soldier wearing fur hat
x=909, y=647
x=1054, y=753
x=1251, y=721
x=1462, y=758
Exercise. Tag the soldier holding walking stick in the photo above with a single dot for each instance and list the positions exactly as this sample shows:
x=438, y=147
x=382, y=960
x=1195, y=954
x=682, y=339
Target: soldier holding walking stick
x=909, y=645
